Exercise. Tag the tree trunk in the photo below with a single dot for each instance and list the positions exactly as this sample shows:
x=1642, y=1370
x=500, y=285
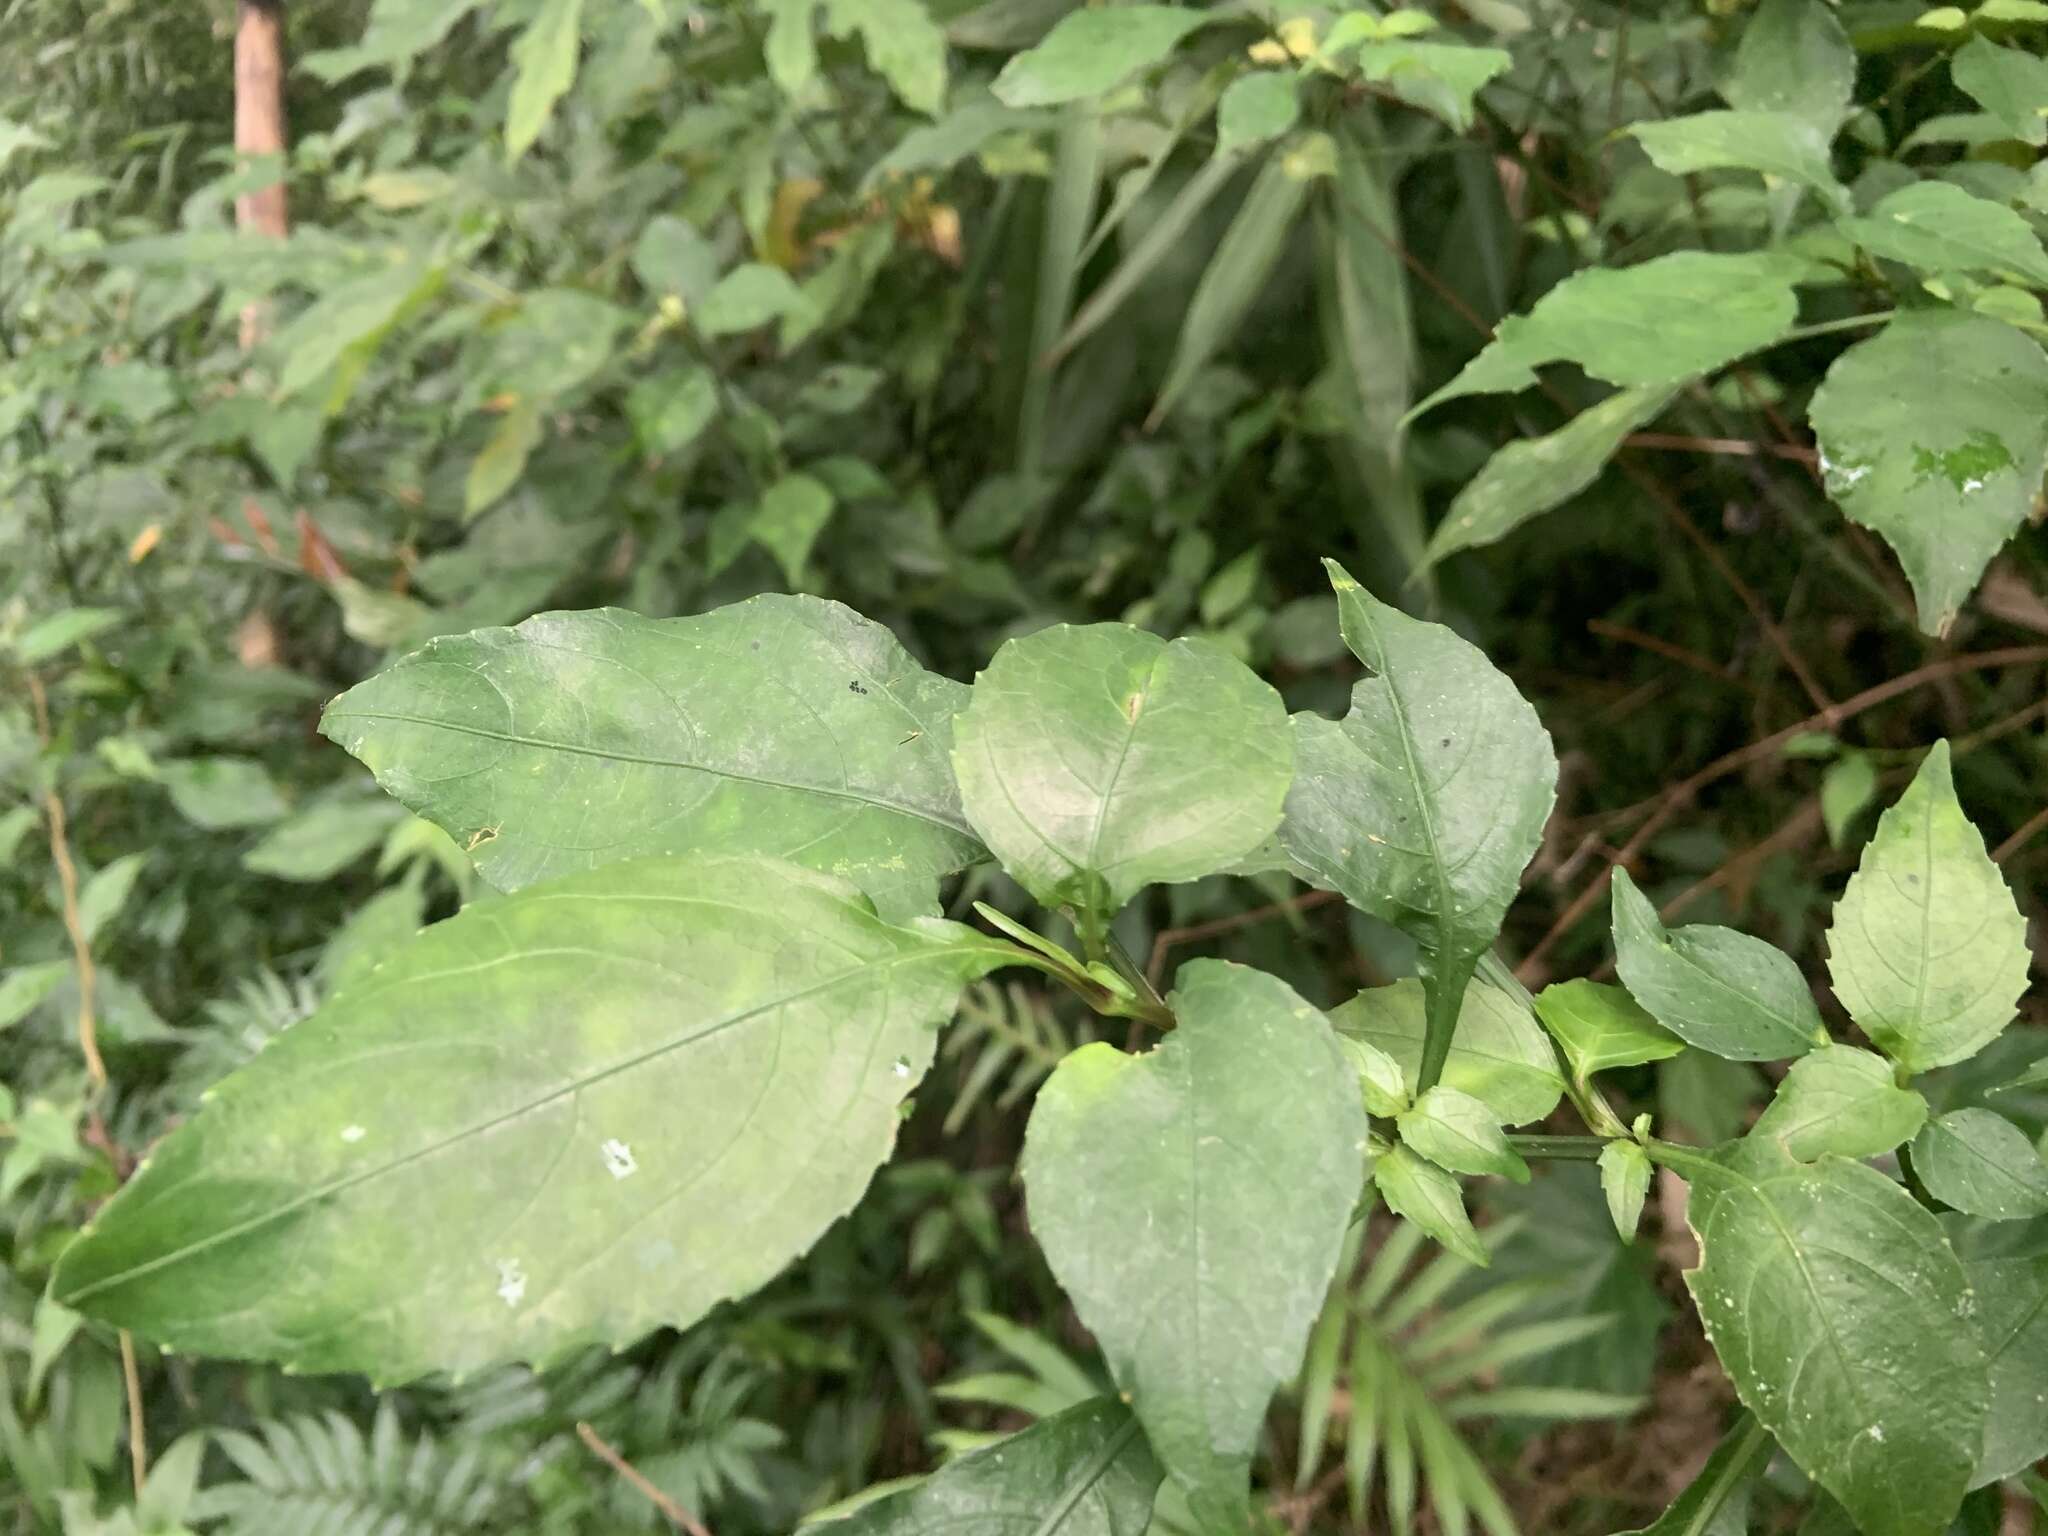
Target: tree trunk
x=260, y=130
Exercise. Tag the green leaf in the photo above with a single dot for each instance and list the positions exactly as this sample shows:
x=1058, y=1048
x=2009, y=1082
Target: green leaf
x=1085, y=1472
x=503, y=459
x=1532, y=475
x=692, y=1067
x=2007, y=1266
x=748, y=296
x=1498, y=1054
x=555, y=340
x=1599, y=1027
x=1439, y=78
x=1625, y=1180
x=1981, y=1164
x=1460, y=1134
x=792, y=513
x=60, y=631
x=2009, y=84
x=1236, y=275
x=1093, y=50
x=1927, y=949
x=1794, y=58
x=1841, y=1316
x=1382, y=1086
x=545, y=60
x=1938, y=227
x=904, y=46
x=1716, y=1503
x=1098, y=760
x=669, y=410
x=1843, y=1101
x=1432, y=1199
x=1848, y=786
x=785, y=726
x=1656, y=323
x=321, y=840
x=340, y=331
x=1786, y=145
x=1200, y=1267
x=671, y=257
x=106, y=893
x=1934, y=434
x=1256, y=107
x=791, y=48
x=1422, y=805
x=26, y=987
x=1720, y=990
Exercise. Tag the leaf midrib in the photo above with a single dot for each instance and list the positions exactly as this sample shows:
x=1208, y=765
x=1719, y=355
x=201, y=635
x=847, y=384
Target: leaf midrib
x=1446, y=909
x=652, y=760
x=420, y=1154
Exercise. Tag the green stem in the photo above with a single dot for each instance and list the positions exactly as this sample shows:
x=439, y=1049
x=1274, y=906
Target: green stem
x=1576, y=1149
x=1829, y=327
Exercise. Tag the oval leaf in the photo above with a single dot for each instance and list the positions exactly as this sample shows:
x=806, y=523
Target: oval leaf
x=1201, y=1264
x=563, y=1117
x=1095, y=761
x=1841, y=1100
x=1092, y=50
x=1927, y=949
x=785, y=726
x=1981, y=1164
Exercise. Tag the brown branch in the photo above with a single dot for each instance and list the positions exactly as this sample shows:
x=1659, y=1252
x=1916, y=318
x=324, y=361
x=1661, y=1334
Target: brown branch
x=2019, y=839
x=1674, y=799
x=678, y=1516
x=1169, y=938
x=1664, y=648
x=260, y=131
x=1728, y=447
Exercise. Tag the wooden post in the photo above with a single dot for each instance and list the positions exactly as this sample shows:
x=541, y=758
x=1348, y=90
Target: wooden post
x=260, y=130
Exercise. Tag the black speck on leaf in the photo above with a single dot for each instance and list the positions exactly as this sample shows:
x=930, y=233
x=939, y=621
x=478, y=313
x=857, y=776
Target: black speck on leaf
x=855, y=687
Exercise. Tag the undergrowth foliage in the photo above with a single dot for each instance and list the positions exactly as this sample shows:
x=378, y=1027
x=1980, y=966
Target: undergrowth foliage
x=675, y=1053
x=716, y=973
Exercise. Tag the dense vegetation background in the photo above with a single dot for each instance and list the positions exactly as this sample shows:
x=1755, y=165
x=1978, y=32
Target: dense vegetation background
x=660, y=304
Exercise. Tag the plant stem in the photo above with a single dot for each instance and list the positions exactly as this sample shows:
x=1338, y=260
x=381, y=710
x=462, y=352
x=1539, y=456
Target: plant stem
x=1575, y=1149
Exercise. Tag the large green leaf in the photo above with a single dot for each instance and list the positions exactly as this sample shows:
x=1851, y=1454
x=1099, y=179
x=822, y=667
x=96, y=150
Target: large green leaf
x=904, y=46
x=1085, y=1472
x=1982, y=1164
x=545, y=57
x=1794, y=57
x=563, y=1117
x=1092, y=50
x=1655, y=323
x=1841, y=1100
x=1498, y=1054
x=782, y=725
x=1439, y=78
x=1099, y=759
x=2007, y=1266
x=1423, y=805
x=1842, y=1317
x=1934, y=433
x=1715, y=988
x=1789, y=145
x=2008, y=83
x=1192, y=1201
x=1927, y=950
x=1938, y=227
x=1533, y=474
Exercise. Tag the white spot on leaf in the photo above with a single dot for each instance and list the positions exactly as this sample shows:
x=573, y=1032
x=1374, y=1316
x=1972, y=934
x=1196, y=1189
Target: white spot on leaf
x=618, y=1160
x=353, y=1134
x=511, y=1282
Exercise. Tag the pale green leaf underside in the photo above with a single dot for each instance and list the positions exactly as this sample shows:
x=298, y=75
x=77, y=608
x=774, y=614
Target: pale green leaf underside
x=1090, y=51
x=563, y=1117
x=1531, y=476
x=1720, y=990
x=1424, y=804
x=1981, y=1164
x=1498, y=1054
x=2007, y=1266
x=1084, y=1472
x=1841, y=1100
x=785, y=726
x=1600, y=1027
x=1625, y=1181
x=1781, y=144
x=1200, y=1264
x=1934, y=434
x=1097, y=760
x=1655, y=323
x=1842, y=1317
x=1938, y=227
x=1927, y=949
x=1432, y=1199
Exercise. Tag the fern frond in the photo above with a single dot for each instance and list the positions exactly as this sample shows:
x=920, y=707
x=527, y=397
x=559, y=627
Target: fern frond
x=1397, y=1362
x=1005, y=1042
x=319, y=1473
